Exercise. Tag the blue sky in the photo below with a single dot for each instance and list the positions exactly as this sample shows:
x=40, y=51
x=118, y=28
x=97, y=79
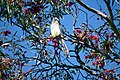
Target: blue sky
x=67, y=22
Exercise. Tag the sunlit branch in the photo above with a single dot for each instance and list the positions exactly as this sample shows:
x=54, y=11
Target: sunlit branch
x=113, y=27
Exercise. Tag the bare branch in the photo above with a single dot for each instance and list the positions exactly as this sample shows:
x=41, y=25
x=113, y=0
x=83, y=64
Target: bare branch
x=113, y=27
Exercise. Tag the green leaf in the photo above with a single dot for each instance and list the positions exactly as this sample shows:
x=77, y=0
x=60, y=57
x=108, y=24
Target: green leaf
x=1, y=53
x=73, y=71
x=0, y=74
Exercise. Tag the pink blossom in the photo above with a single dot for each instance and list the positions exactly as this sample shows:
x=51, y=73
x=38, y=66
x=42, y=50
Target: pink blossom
x=97, y=58
x=7, y=32
x=93, y=37
x=85, y=57
x=55, y=44
x=78, y=31
x=93, y=63
x=51, y=38
x=98, y=34
x=96, y=62
x=25, y=10
x=45, y=43
x=69, y=4
x=108, y=71
x=101, y=64
x=5, y=60
x=103, y=79
x=54, y=41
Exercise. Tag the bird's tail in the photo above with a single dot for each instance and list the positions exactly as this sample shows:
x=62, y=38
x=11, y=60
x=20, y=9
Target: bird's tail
x=64, y=48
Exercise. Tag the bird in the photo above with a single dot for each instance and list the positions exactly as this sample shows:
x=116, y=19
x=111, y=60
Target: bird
x=55, y=32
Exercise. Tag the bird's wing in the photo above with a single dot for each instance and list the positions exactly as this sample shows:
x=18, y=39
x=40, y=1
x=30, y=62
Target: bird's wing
x=64, y=47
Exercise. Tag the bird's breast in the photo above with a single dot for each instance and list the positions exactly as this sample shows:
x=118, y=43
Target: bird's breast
x=55, y=31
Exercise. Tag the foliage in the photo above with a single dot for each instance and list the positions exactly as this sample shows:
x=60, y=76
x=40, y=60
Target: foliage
x=33, y=54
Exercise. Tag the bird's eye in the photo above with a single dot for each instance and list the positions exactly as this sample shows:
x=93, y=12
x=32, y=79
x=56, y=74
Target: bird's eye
x=56, y=19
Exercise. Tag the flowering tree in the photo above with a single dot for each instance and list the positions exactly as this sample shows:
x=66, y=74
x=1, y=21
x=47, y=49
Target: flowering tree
x=32, y=53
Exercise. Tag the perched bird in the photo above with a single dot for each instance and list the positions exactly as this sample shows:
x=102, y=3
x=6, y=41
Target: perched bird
x=55, y=32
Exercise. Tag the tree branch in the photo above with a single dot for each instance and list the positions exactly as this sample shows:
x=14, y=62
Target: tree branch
x=113, y=27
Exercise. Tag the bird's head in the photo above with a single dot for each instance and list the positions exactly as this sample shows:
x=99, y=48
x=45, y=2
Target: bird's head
x=55, y=21
x=55, y=18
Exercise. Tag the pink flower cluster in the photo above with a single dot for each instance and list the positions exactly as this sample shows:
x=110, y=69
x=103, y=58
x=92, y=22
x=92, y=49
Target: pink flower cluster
x=55, y=44
x=6, y=33
x=94, y=37
x=34, y=7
